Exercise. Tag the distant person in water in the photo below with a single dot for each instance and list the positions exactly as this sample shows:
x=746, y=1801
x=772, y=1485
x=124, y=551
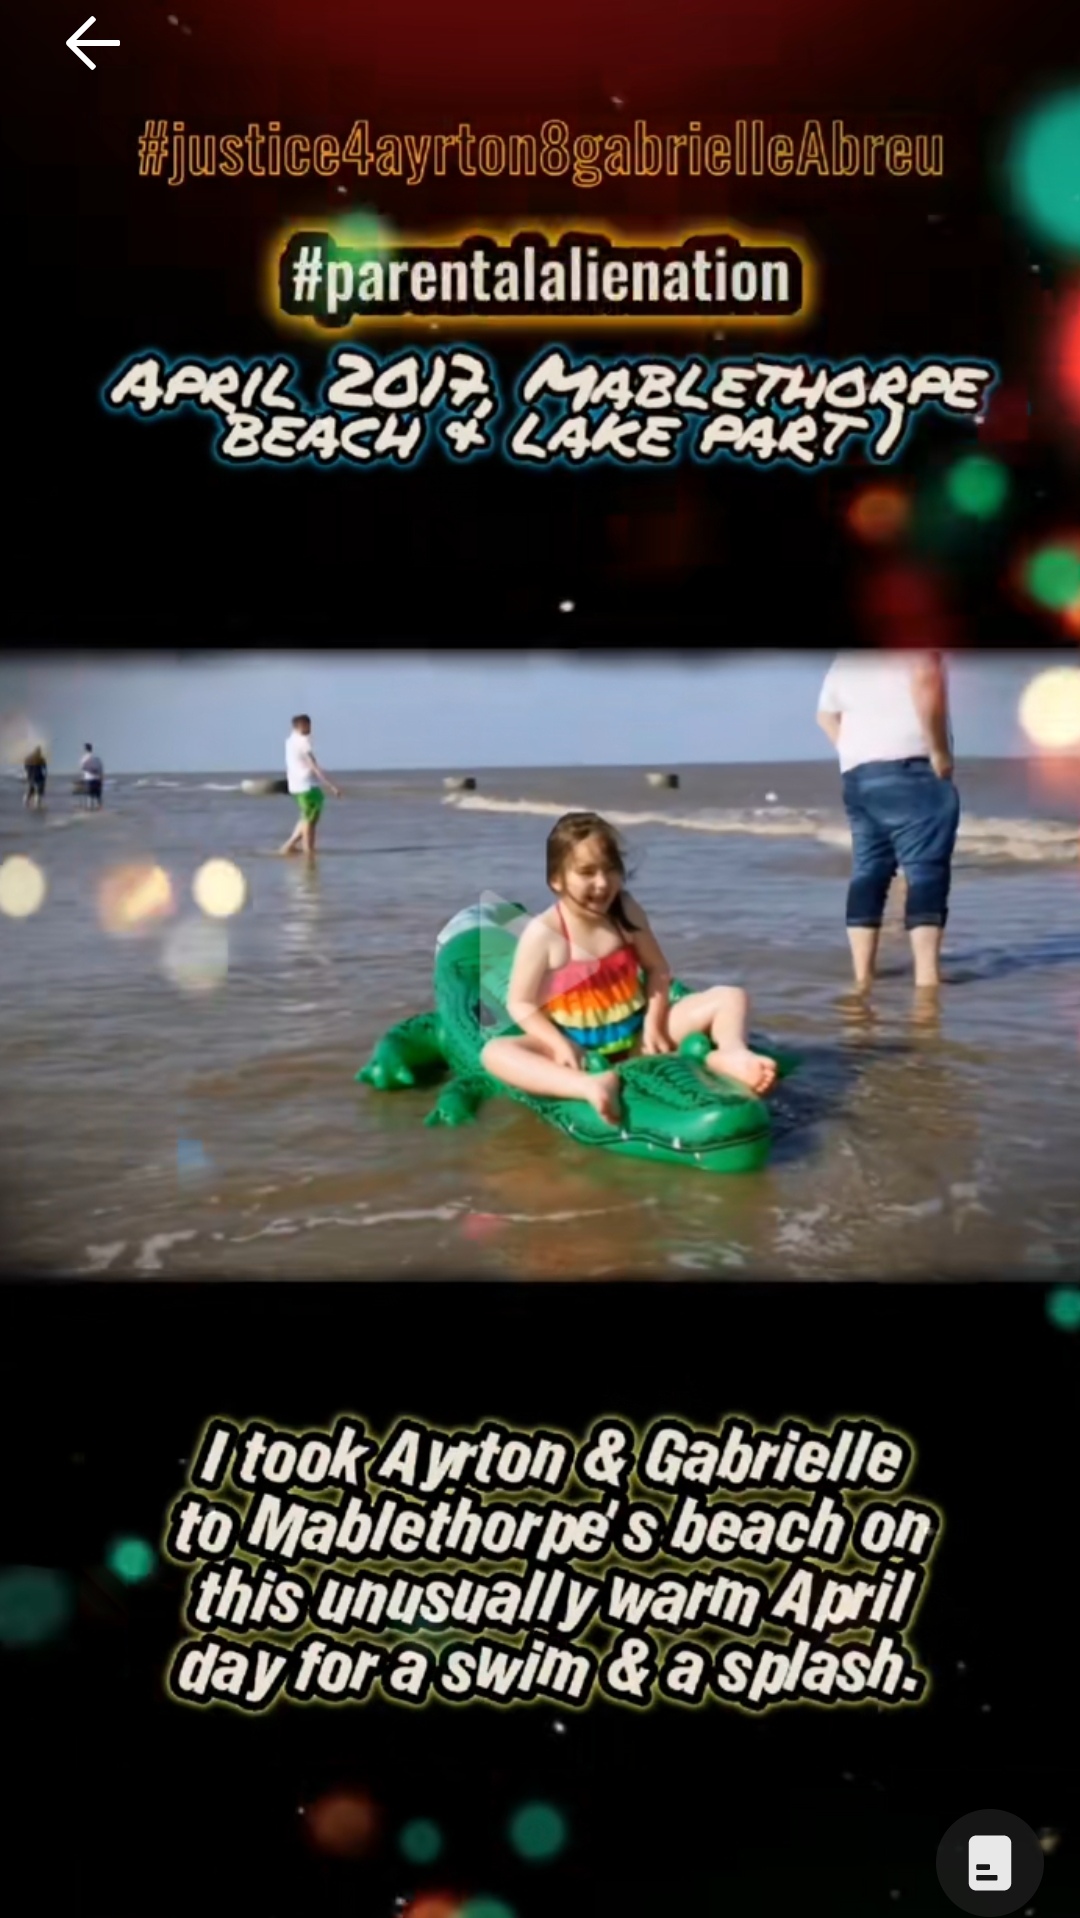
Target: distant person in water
x=308, y=785
x=887, y=714
x=36, y=768
x=589, y=982
x=93, y=774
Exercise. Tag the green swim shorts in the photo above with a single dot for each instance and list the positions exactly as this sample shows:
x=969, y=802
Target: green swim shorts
x=310, y=803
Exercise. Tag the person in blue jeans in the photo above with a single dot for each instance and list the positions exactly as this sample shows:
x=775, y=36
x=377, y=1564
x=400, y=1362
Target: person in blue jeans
x=887, y=714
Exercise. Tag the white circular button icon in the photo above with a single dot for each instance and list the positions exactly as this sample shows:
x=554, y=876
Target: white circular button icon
x=990, y=1862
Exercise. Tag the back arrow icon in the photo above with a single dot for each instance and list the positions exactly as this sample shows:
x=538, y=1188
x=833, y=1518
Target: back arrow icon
x=76, y=43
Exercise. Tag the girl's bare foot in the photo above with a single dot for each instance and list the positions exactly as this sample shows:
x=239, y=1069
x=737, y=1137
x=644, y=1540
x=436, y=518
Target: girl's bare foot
x=750, y=1068
x=603, y=1094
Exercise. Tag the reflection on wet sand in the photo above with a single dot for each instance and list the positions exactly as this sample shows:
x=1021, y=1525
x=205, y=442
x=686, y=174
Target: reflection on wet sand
x=926, y=1009
x=299, y=923
x=857, y=1010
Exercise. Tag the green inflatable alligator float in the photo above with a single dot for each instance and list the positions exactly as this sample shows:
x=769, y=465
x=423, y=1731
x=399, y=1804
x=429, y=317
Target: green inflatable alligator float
x=673, y=1109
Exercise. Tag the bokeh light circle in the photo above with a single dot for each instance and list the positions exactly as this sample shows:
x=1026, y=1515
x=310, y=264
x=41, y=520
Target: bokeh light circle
x=1052, y=577
x=879, y=514
x=1050, y=708
x=978, y=486
x=420, y=1841
x=18, y=737
x=133, y=898
x=36, y=1604
x=131, y=1560
x=1063, y=1308
x=1063, y=357
x=219, y=889
x=902, y=604
x=487, y=1908
x=1044, y=168
x=343, y=1824
x=434, y=1904
x=538, y=1832
x=195, y=956
x=364, y=231
x=23, y=887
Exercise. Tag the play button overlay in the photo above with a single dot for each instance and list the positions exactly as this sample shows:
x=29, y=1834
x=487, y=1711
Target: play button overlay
x=990, y=1862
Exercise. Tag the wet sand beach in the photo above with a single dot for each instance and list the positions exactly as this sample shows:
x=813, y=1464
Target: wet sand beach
x=181, y=1112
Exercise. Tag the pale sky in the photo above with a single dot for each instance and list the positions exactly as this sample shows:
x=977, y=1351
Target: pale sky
x=230, y=712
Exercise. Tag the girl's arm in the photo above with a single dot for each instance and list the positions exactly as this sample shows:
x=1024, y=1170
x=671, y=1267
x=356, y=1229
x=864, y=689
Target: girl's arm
x=657, y=979
x=531, y=965
x=830, y=725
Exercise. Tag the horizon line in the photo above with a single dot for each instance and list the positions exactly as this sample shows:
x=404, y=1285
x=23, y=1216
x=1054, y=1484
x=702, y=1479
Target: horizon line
x=456, y=771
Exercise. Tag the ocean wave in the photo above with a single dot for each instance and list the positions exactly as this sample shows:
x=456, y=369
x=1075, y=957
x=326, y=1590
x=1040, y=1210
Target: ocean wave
x=204, y=786
x=1011, y=841
x=772, y=822
x=1024, y=840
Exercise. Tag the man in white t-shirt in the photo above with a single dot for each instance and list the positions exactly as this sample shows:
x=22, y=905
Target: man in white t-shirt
x=887, y=714
x=307, y=782
x=92, y=773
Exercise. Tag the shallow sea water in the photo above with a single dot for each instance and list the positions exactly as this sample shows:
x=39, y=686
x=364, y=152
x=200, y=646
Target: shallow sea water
x=156, y=1131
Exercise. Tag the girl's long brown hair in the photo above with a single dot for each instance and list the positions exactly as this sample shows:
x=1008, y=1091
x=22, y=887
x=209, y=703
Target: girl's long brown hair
x=570, y=831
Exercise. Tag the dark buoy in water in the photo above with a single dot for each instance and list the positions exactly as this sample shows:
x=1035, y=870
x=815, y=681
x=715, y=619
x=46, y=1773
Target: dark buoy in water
x=263, y=788
x=670, y=781
x=464, y=784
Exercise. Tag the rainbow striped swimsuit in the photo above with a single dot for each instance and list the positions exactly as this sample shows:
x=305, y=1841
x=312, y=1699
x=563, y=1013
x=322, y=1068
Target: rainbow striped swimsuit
x=598, y=1003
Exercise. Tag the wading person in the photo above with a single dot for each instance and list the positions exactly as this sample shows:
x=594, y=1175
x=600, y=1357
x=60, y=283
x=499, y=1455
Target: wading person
x=36, y=768
x=887, y=714
x=92, y=773
x=308, y=785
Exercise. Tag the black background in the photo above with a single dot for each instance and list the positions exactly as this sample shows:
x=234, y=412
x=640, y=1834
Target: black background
x=105, y=1390
x=126, y=530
